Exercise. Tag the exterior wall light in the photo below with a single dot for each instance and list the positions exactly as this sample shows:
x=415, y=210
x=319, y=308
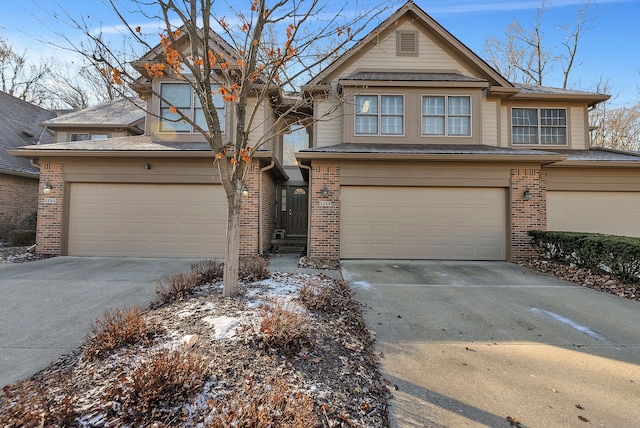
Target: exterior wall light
x=324, y=190
x=47, y=188
x=527, y=195
x=245, y=190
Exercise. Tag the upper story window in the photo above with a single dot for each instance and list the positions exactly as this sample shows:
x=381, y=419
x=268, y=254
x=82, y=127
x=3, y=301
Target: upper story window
x=539, y=126
x=84, y=136
x=446, y=115
x=182, y=97
x=379, y=115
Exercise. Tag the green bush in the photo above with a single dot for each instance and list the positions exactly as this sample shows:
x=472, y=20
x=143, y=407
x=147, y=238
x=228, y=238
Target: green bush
x=31, y=222
x=617, y=255
x=22, y=237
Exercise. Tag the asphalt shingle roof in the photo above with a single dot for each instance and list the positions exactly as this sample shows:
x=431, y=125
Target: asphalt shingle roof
x=447, y=149
x=411, y=77
x=19, y=126
x=121, y=112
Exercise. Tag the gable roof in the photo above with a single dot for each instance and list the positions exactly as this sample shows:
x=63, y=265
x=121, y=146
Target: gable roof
x=420, y=17
x=120, y=113
x=19, y=126
x=530, y=91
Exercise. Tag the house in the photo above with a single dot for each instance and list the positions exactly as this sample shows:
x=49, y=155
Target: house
x=19, y=126
x=418, y=150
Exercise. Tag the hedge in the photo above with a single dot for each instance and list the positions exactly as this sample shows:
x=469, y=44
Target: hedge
x=21, y=237
x=616, y=255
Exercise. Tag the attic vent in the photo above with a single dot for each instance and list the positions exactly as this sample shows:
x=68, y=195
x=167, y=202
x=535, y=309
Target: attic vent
x=407, y=43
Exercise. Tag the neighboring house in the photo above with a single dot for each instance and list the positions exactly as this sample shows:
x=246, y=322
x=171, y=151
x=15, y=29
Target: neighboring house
x=19, y=126
x=423, y=152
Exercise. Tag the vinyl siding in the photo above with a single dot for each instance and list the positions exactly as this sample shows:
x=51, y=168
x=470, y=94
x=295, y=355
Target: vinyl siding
x=489, y=123
x=328, y=131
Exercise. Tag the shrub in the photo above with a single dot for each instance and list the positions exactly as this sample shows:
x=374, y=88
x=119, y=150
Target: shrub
x=33, y=404
x=21, y=237
x=253, y=268
x=283, y=325
x=272, y=404
x=319, y=295
x=208, y=270
x=177, y=286
x=31, y=221
x=155, y=390
x=617, y=255
x=118, y=328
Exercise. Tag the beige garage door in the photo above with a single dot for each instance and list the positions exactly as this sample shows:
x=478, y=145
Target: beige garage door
x=423, y=223
x=148, y=220
x=615, y=213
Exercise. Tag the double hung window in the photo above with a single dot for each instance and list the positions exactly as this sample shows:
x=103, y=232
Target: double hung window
x=180, y=97
x=379, y=115
x=446, y=115
x=546, y=126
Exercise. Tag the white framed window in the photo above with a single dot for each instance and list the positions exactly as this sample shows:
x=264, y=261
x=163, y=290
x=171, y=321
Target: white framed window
x=85, y=136
x=379, y=115
x=541, y=126
x=446, y=115
x=182, y=97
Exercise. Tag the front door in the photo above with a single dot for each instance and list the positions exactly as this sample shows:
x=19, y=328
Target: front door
x=297, y=202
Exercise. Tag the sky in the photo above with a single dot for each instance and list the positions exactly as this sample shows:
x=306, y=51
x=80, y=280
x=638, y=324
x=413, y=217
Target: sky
x=608, y=49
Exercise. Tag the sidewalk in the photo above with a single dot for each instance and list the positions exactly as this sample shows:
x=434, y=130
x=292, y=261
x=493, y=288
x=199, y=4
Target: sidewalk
x=288, y=263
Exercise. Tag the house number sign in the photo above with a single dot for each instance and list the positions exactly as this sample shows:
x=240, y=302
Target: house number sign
x=325, y=203
x=49, y=200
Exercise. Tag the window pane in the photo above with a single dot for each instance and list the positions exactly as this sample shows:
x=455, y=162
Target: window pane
x=553, y=136
x=201, y=122
x=459, y=106
x=392, y=104
x=524, y=116
x=553, y=117
x=432, y=125
x=367, y=104
x=176, y=94
x=79, y=137
x=459, y=126
x=168, y=125
x=391, y=125
x=525, y=135
x=367, y=124
x=99, y=136
x=433, y=105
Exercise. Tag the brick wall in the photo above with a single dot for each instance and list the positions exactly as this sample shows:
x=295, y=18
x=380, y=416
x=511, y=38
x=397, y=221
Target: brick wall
x=249, y=214
x=324, y=239
x=49, y=236
x=18, y=200
x=526, y=214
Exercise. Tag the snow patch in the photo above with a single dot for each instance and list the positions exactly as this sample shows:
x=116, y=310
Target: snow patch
x=224, y=327
x=363, y=284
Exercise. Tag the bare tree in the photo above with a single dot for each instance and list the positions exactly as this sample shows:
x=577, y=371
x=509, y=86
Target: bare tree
x=526, y=55
x=21, y=78
x=257, y=51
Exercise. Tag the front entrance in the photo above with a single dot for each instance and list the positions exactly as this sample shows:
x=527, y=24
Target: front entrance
x=296, y=216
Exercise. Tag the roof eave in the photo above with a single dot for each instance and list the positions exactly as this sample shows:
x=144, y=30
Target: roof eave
x=591, y=99
x=19, y=173
x=413, y=83
x=595, y=163
x=306, y=157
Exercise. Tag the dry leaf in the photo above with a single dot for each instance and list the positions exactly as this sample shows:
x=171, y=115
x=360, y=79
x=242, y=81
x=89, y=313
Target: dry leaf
x=583, y=419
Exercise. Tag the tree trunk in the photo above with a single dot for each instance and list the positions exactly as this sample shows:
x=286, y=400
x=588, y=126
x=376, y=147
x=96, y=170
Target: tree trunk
x=232, y=262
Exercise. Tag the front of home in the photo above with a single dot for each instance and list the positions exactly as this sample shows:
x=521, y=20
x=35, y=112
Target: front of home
x=418, y=150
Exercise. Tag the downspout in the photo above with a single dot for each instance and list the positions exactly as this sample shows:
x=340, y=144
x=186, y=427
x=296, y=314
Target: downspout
x=260, y=233
x=308, y=168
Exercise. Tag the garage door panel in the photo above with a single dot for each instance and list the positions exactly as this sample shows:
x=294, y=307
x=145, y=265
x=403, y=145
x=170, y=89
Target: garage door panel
x=412, y=222
x=152, y=220
x=614, y=213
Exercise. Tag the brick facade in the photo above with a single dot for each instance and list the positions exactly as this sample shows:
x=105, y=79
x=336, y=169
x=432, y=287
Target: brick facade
x=324, y=239
x=18, y=200
x=526, y=214
x=249, y=214
x=50, y=206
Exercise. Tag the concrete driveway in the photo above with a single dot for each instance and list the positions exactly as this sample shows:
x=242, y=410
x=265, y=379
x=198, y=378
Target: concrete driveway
x=472, y=343
x=47, y=306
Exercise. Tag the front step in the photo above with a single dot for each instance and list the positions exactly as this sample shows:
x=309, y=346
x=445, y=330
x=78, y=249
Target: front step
x=289, y=245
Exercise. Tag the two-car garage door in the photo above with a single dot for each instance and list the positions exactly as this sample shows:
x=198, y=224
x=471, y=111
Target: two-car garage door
x=152, y=220
x=423, y=223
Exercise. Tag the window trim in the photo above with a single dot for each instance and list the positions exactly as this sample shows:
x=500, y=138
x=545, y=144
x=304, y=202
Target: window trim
x=379, y=115
x=446, y=116
x=539, y=126
x=193, y=109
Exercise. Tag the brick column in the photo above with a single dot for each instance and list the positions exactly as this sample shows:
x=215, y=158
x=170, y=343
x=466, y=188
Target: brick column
x=324, y=239
x=249, y=214
x=49, y=235
x=526, y=214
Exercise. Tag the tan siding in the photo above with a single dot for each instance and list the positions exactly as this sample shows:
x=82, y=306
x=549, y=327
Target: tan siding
x=505, y=127
x=259, y=124
x=593, y=179
x=425, y=174
x=489, y=123
x=422, y=223
x=328, y=131
x=614, y=213
x=577, y=132
x=432, y=55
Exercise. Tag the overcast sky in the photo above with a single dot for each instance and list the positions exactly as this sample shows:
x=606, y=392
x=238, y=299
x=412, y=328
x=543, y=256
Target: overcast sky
x=608, y=50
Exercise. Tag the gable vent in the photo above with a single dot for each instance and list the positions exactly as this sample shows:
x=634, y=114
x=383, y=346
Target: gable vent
x=407, y=43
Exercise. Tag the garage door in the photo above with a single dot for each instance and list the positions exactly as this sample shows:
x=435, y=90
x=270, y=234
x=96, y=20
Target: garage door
x=148, y=220
x=615, y=213
x=423, y=223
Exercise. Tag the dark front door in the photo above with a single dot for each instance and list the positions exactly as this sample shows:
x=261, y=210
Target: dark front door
x=297, y=201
